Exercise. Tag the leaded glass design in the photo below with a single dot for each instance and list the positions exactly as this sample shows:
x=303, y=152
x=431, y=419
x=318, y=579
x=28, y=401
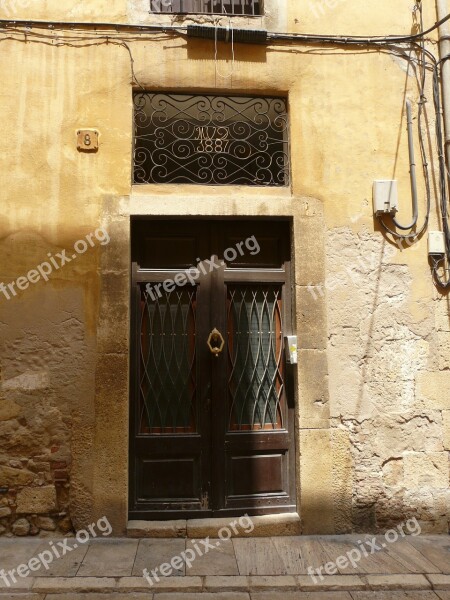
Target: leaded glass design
x=255, y=345
x=167, y=349
x=210, y=140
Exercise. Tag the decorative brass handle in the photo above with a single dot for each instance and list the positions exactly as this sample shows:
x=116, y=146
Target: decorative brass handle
x=215, y=342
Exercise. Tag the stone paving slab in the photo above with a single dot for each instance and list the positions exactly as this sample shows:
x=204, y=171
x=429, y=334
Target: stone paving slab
x=435, y=549
x=443, y=595
x=300, y=596
x=258, y=556
x=14, y=552
x=331, y=582
x=151, y=554
x=407, y=555
x=272, y=582
x=440, y=582
x=232, y=583
x=19, y=596
x=313, y=552
x=204, y=596
x=91, y=596
x=112, y=557
x=220, y=560
x=157, y=529
x=337, y=546
x=73, y=584
x=395, y=595
x=377, y=562
x=291, y=553
x=65, y=566
x=398, y=582
x=166, y=584
x=22, y=584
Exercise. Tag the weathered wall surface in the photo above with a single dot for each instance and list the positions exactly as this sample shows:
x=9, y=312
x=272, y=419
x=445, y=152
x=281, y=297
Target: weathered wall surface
x=373, y=407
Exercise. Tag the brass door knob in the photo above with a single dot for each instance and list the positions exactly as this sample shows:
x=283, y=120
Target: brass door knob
x=215, y=342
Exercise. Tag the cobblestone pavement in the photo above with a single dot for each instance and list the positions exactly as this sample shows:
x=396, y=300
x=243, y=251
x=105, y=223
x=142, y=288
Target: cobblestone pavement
x=276, y=568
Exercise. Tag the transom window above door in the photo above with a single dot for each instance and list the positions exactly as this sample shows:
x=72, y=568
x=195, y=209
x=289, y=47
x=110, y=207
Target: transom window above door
x=211, y=140
x=221, y=7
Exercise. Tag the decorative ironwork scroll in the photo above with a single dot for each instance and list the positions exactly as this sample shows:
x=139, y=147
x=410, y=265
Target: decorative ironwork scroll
x=210, y=140
x=220, y=7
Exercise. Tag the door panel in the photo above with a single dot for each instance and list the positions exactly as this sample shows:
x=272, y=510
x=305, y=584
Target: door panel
x=256, y=474
x=210, y=433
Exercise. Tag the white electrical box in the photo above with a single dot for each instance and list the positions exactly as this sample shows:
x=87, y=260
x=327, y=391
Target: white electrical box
x=385, y=197
x=436, y=243
x=291, y=349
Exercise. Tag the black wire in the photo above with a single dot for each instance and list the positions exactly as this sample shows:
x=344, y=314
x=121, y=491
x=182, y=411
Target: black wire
x=49, y=25
x=177, y=29
x=386, y=43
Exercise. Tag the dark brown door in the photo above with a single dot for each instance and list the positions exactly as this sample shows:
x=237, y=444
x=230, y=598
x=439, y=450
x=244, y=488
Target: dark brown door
x=211, y=428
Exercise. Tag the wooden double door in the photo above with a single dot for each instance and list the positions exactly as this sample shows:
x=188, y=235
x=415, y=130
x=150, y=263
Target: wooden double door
x=211, y=428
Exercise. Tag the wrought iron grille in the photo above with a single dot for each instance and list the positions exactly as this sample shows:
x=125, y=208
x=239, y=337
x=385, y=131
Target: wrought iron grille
x=229, y=7
x=167, y=381
x=210, y=140
x=255, y=345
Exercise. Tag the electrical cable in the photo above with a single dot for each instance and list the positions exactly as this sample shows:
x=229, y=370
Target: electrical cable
x=422, y=101
x=122, y=34
x=32, y=23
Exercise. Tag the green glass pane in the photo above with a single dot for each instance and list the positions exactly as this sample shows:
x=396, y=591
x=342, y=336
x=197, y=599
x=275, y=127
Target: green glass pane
x=255, y=352
x=167, y=384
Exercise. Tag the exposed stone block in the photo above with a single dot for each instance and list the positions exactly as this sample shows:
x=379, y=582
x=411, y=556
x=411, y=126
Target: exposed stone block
x=432, y=389
x=45, y=523
x=446, y=427
x=313, y=389
x=311, y=319
x=263, y=526
x=310, y=266
x=156, y=529
x=8, y=409
x=342, y=480
x=37, y=500
x=21, y=527
x=316, y=475
x=424, y=469
x=11, y=476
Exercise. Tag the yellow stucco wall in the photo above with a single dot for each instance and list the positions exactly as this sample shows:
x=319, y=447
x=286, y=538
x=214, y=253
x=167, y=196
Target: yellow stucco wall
x=379, y=341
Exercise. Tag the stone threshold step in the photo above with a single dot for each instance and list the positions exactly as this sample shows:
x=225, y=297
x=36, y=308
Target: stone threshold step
x=240, y=583
x=263, y=526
